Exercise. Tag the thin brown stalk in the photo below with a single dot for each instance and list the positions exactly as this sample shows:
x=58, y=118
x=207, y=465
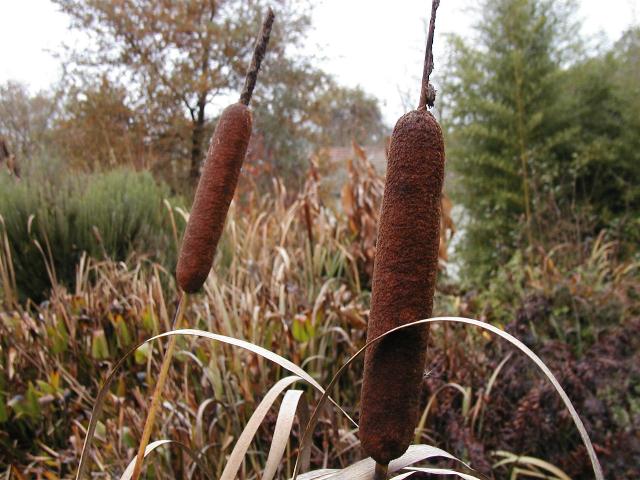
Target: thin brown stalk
x=428, y=95
x=380, y=472
x=157, y=394
x=258, y=54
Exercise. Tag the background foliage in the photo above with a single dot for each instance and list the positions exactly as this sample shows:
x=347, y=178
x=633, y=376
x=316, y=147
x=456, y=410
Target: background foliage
x=539, y=135
x=50, y=225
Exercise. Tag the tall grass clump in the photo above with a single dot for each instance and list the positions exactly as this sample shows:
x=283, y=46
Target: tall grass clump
x=49, y=224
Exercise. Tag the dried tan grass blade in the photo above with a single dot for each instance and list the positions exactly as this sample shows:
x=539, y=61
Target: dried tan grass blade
x=281, y=433
x=246, y=437
x=128, y=472
x=269, y=355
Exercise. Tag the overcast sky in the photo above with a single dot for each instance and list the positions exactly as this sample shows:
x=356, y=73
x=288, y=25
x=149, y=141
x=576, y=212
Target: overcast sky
x=377, y=44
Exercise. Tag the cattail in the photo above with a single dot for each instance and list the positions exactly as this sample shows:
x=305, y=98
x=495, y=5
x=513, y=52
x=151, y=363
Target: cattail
x=404, y=278
x=213, y=196
x=406, y=264
x=219, y=178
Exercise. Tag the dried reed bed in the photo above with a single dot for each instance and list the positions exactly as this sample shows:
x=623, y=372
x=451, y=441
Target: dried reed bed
x=290, y=278
x=287, y=279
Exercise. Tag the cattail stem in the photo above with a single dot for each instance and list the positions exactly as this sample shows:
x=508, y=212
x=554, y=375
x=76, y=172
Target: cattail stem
x=258, y=54
x=157, y=394
x=380, y=472
x=427, y=94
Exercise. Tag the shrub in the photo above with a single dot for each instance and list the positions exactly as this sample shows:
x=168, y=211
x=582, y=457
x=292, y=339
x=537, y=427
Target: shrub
x=571, y=293
x=49, y=224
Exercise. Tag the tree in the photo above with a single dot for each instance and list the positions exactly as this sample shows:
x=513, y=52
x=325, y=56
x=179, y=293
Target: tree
x=96, y=129
x=347, y=114
x=25, y=119
x=299, y=108
x=507, y=137
x=176, y=57
x=626, y=72
x=602, y=100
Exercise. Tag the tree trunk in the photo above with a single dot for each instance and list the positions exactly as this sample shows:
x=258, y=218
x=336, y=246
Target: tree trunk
x=196, y=140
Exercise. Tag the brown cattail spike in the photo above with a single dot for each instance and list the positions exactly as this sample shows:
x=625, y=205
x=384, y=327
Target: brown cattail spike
x=213, y=196
x=404, y=279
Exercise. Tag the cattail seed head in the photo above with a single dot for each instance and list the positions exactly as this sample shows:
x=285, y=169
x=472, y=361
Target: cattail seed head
x=215, y=191
x=404, y=277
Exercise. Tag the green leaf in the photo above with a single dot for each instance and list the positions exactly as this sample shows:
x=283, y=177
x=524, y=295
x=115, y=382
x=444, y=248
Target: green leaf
x=302, y=329
x=4, y=415
x=142, y=354
x=299, y=330
x=99, y=346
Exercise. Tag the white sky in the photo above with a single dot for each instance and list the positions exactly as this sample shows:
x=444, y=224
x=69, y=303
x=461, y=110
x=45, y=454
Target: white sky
x=377, y=44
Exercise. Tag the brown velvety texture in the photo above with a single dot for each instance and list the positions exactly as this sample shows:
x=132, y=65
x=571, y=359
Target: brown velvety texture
x=213, y=196
x=404, y=277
